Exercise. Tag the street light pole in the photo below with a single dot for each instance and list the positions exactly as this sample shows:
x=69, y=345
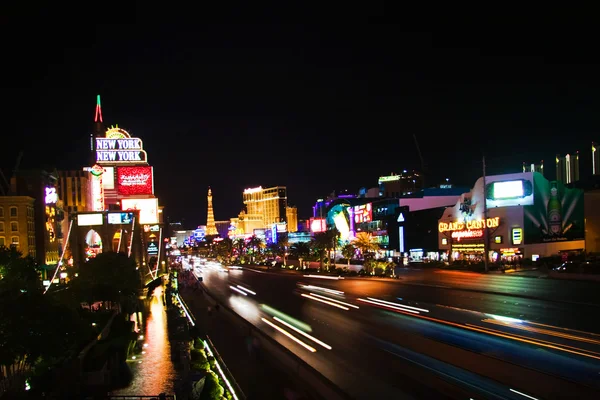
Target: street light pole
x=486, y=236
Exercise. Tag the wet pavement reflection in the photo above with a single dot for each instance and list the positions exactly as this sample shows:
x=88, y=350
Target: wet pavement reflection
x=153, y=371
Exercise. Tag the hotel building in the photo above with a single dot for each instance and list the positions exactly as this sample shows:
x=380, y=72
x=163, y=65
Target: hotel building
x=17, y=224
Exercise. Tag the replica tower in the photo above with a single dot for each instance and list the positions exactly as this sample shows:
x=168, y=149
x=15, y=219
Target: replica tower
x=211, y=228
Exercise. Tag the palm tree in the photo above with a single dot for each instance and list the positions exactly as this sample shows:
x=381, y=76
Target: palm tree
x=301, y=251
x=255, y=245
x=348, y=252
x=283, y=245
x=366, y=246
x=239, y=245
x=224, y=249
x=320, y=243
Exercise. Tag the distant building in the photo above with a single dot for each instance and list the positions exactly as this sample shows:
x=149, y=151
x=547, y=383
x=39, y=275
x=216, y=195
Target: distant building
x=534, y=167
x=397, y=185
x=17, y=223
x=291, y=214
x=222, y=228
x=74, y=190
x=268, y=203
x=567, y=168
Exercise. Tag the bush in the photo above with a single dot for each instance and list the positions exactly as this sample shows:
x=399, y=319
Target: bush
x=212, y=389
x=198, y=343
x=197, y=354
x=211, y=361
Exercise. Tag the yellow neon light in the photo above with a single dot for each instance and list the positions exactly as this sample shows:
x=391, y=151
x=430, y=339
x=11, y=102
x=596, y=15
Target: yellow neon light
x=475, y=224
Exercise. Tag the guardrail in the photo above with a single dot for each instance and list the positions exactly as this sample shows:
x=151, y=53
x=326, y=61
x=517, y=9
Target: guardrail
x=318, y=385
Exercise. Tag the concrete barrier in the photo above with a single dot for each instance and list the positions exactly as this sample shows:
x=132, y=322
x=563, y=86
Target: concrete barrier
x=278, y=355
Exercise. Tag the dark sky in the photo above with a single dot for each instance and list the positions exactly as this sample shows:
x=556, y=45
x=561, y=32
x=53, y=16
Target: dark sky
x=314, y=108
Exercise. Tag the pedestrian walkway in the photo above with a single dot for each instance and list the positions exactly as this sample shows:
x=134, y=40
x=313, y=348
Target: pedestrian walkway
x=254, y=374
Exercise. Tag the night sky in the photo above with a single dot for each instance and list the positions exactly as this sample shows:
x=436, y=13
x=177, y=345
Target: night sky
x=312, y=108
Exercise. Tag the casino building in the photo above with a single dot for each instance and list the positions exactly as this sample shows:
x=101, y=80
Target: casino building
x=520, y=215
x=122, y=212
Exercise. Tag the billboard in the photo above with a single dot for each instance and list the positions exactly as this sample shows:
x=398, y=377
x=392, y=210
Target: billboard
x=556, y=214
x=148, y=209
x=118, y=147
x=318, y=225
x=89, y=219
x=133, y=181
x=509, y=190
x=363, y=213
x=120, y=218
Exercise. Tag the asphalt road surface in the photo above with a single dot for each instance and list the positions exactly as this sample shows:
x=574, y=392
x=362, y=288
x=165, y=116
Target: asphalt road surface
x=420, y=336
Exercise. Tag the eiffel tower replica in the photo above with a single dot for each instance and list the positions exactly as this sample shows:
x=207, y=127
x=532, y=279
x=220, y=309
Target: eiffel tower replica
x=211, y=228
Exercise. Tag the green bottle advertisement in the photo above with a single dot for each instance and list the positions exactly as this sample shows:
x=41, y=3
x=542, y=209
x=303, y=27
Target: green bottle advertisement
x=554, y=211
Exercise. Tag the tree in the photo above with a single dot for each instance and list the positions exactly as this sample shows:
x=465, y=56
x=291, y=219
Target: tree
x=348, y=251
x=301, y=251
x=255, y=246
x=320, y=243
x=224, y=250
x=363, y=242
x=283, y=245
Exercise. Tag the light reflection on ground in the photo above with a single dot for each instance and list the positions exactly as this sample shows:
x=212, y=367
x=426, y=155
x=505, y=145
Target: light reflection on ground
x=155, y=373
x=245, y=307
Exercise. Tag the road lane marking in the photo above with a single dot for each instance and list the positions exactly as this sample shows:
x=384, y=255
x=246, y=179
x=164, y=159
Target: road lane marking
x=246, y=290
x=294, y=338
x=238, y=290
x=523, y=394
x=398, y=304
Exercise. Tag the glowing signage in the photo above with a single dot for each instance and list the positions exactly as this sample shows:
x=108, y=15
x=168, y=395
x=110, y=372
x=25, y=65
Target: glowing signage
x=363, y=213
x=120, y=148
x=108, y=178
x=120, y=218
x=517, y=236
x=318, y=225
x=135, y=180
x=389, y=178
x=152, y=249
x=50, y=219
x=512, y=192
x=477, y=233
x=253, y=190
x=148, y=209
x=89, y=219
x=97, y=188
x=469, y=225
x=51, y=195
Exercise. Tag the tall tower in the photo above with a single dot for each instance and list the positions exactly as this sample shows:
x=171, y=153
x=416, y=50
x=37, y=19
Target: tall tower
x=98, y=130
x=211, y=228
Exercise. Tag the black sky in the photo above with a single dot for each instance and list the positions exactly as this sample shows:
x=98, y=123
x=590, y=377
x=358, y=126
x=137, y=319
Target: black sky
x=314, y=108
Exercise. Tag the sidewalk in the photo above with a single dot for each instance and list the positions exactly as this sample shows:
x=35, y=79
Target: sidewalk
x=256, y=377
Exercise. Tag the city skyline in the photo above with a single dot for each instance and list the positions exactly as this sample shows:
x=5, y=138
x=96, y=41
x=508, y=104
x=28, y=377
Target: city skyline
x=312, y=108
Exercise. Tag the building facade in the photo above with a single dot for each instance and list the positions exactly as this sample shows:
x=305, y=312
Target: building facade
x=270, y=203
x=397, y=185
x=73, y=188
x=17, y=224
x=519, y=215
x=291, y=215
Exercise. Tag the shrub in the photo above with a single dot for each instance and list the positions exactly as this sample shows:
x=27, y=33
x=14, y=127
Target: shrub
x=198, y=343
x=197, y=354
x=211, y=361
x=212, y=389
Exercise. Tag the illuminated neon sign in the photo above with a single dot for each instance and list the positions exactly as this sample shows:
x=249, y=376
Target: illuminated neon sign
x=119, y=147
x=469, y=225
x=478, y=233
x=253, y=190
x=51, y=196
x=97, y=188
x=390, y=178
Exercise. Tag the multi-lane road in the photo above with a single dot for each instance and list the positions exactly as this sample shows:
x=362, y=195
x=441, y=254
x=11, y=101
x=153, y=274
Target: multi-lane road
x=429, y=334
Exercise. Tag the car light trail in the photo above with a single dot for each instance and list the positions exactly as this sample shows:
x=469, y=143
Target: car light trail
x=325, y=301
x=313, y=287
x=314, y=339
x=324, y=277
x=286, y=333
x=274, y=312
x=543, y=331
x=523, y=394
x=246, y=290
x=238, y=290
x=398, y=305
x=405, y=310
x=334, y=300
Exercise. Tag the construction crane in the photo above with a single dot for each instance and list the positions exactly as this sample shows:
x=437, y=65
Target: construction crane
x=423, y=165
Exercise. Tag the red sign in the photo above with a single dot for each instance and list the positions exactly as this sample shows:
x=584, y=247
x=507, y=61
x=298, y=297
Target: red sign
x=135, y=180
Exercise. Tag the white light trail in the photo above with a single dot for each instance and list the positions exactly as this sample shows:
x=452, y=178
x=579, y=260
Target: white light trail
x=313, y=287
x=61, y=257
x=386, y=305
x=323, y=277
x=238, y=290
x=334, y=300
x=286, y=333
x=523, y=394
x=314, y=339
x=398, y=304
x=210, y=353
x=246, y=290
x=326, y=302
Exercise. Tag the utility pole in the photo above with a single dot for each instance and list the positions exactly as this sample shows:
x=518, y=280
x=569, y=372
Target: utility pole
x=486, y=235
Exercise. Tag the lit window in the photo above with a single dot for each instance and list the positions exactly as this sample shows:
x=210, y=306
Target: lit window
x=13, y=211
x=14, y=226
x=2, y=243
x=1, y=212
x=1, y=226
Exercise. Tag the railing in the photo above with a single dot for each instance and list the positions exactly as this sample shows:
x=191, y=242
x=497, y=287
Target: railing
x=131, y=397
